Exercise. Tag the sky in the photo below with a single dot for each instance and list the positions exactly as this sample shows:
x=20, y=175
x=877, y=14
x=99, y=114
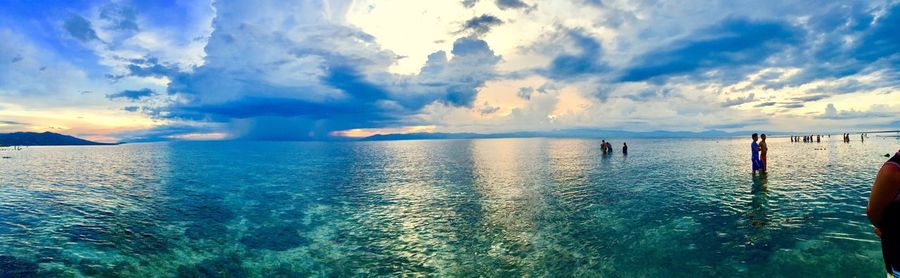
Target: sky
x=324, y=69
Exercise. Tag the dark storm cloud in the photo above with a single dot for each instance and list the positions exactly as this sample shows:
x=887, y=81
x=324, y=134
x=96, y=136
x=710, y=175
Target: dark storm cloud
x=730, y=43
x=262, y=110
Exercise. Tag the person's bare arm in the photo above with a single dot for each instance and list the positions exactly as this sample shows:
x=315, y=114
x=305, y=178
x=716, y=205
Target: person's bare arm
x=884, y=190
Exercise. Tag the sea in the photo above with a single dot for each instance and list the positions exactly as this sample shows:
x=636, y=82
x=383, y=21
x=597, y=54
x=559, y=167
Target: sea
x=530, y=207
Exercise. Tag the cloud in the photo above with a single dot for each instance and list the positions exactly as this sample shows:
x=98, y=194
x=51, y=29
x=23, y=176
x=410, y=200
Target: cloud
x=119, y=17
x=738, y=100
x=303, y=69
x=488, y=109
x=847, y=39
x=792, y=105
x=311, y=76
x=646, y=95
x=511, y=4
x=132, y=94
x=525, y=93
x=164, y=132
x=740, y=124
x=876, y=111
x=765, y=104
x=80, y=28
x=588, y=61
x=149, y=67
x=11, y=123
x=731, y=43
x=881, y=40
x=810, y=98
x=480, y=25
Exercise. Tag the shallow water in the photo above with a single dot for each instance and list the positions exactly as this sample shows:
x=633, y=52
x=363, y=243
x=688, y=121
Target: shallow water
x=492, y=207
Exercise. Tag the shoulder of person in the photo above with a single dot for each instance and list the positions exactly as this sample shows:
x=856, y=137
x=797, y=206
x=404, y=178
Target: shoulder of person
x=891, y=173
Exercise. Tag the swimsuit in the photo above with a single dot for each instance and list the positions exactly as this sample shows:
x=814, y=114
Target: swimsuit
x=890, y=229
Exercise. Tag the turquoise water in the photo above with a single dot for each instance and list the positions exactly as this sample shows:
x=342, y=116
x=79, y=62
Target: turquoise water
x=492, y=207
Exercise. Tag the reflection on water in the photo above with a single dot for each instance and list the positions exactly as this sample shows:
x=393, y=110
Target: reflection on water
x=496, y=207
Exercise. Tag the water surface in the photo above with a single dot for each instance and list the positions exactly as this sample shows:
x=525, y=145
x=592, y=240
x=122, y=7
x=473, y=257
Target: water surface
x=491, y=207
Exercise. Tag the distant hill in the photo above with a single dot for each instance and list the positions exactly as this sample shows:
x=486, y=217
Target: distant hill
x=566, y=133
x=42, y=139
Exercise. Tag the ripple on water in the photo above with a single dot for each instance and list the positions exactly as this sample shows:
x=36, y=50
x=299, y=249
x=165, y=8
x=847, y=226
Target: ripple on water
x=506, y=207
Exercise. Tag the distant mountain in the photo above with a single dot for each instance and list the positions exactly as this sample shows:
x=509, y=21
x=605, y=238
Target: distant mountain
x=42, y=139
x=566, y=133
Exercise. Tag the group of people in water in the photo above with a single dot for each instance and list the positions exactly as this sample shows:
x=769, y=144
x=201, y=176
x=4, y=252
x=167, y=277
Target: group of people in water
x=862, y=137
x=818, y=138
x=758, y=150
x=607, y=147
x=758, y=153
x=883, y=209
x=807, y=139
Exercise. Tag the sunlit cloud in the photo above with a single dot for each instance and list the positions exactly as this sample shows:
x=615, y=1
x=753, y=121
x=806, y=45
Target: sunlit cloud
x=366, y=132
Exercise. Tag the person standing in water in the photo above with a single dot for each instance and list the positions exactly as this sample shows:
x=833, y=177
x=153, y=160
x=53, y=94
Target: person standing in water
x=754, y=153
x=603, y=146
x=624, y=148
x=884, y=212
x=763, y=150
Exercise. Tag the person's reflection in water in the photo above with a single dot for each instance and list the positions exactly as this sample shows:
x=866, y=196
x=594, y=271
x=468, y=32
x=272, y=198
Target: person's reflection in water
x=758, y=213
